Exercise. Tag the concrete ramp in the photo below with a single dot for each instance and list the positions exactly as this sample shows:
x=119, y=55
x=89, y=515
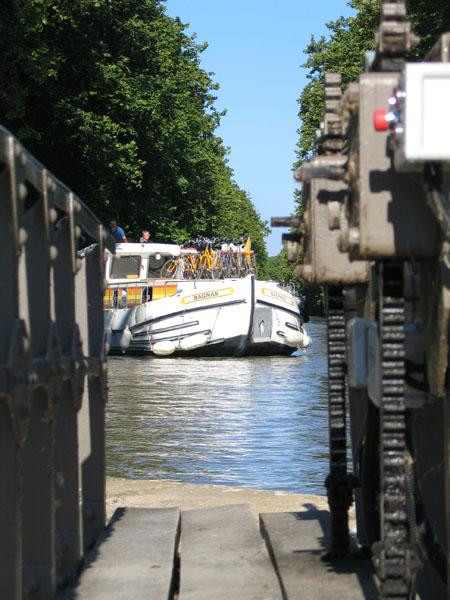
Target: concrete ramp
x=297, y=543
x=134, y=559
x=223, y=556
x=219, y=553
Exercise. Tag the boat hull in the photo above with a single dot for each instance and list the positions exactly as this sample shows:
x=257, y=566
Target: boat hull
x=231, y=347
x=204, y=318
x=277, y=325
x=217, y=318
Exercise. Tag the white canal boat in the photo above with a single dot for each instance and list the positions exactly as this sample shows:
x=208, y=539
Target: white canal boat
x=146, y=313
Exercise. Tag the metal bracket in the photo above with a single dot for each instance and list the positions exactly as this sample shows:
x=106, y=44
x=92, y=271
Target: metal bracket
x=17, y=378
x=333, y=166
x=74, y=368
x=285, y=222
x=96, y=367
x=48, y=368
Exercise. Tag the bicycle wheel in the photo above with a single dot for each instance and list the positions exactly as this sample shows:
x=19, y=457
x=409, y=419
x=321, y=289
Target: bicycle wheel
x=169, y=269
x=245, y=267
x=204, y=271
x=223, y=268
x=236, y=267
x=216, y=268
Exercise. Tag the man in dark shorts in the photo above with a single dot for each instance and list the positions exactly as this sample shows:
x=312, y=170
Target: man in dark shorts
x=117, y=232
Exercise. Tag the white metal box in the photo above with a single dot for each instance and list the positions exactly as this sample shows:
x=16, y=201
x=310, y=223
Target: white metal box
x=426, y=118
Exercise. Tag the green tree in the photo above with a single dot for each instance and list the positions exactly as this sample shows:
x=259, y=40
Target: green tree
x=110, y=96
x=344, y=49
x=278, y=268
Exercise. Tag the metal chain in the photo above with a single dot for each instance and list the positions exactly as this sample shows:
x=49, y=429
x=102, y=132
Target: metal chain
x=338, y=483
x=393, y=555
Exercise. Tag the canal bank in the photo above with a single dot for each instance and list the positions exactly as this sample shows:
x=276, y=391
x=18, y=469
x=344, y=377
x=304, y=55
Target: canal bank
x=164, y=494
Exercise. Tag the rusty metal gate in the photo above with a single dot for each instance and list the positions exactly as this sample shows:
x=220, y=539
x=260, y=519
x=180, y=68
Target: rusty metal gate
x=52, y=377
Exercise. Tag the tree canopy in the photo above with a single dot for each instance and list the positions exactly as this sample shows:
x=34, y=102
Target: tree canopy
x=343, y=51
x=111, y=97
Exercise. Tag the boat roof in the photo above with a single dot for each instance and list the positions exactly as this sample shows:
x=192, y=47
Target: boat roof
x=133, y=249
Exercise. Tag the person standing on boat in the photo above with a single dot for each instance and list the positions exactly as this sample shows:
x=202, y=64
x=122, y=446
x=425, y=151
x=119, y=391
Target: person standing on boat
x=145, y=237
x=117, y=232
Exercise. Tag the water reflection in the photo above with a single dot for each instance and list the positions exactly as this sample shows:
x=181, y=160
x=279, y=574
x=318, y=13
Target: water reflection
x=253, y=422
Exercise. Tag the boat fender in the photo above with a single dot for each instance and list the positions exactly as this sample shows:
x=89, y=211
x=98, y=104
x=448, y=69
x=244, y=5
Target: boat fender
x=293, y=338
x=108, y=315
x=125, y=338
x=298, y=338
x=140, y=314
x=163, y=348
x=194, y=341
x=306, y=340
x=108, y=339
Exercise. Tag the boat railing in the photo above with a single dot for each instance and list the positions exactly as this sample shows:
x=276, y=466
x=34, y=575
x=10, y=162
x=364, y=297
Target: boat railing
x=129, y=295
x=289, y=287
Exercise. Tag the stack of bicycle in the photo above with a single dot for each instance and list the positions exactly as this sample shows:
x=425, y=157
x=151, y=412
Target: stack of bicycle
x=211, y=258
x=201, y=298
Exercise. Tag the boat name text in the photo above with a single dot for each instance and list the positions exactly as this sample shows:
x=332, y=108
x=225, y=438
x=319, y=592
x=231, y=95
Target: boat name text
x=207, y=295
x=278, y=295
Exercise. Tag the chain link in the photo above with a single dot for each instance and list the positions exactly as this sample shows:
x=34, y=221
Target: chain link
x=393, y=555
x=338, y=483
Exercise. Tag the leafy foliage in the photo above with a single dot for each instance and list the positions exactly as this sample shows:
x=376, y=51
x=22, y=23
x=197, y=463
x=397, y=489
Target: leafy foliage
x=343, y=52
x=279, y=269
x=111, y=97
x=344, y=49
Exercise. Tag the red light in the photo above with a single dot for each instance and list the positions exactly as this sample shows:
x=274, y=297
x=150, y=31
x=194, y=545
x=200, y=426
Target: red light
x=379, y=119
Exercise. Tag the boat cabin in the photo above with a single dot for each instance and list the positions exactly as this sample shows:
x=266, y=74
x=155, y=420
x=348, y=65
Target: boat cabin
x=133, y=274
x=138, y=262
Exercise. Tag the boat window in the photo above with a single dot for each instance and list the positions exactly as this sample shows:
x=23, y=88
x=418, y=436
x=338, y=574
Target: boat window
x=125, y=267
x=154, y=265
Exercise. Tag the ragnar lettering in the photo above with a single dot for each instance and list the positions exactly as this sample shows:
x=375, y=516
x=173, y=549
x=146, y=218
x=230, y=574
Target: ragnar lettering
x=205, y=295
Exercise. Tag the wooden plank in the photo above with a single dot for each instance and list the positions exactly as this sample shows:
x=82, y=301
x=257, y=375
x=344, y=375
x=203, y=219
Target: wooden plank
x=134, y=557
x=224, y=557
x=297, y=543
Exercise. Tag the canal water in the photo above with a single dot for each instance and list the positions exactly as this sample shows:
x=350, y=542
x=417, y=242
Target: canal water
x=247, y=422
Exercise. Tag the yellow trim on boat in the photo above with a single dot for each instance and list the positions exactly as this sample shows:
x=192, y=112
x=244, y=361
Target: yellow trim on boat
x=207, y=295
x=278, y=295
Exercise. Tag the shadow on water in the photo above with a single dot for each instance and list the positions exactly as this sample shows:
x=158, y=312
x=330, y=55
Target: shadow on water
x=256, y=422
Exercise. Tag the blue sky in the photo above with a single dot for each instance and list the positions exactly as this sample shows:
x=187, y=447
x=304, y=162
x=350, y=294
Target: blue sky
x=256, y=51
